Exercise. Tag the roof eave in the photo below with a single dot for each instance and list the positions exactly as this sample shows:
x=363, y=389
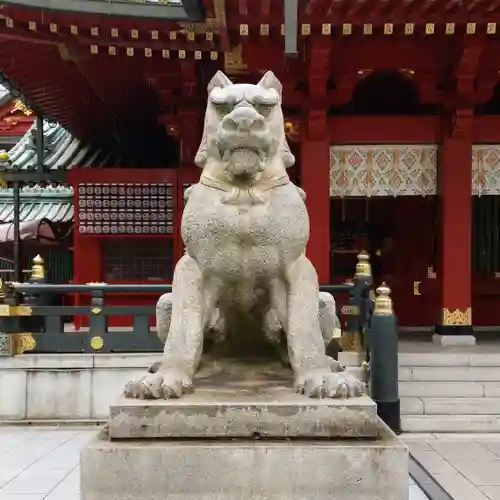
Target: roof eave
x=189, y=10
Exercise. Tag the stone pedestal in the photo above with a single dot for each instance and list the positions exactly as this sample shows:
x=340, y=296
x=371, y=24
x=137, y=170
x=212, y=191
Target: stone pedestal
x=243, y=414
x=245, y=437
x=453, y=340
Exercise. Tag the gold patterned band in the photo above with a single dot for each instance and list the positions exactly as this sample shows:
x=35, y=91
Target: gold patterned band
x=457, y=317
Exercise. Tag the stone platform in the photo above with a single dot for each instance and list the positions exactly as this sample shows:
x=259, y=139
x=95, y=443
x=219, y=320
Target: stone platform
x=242, y=469
x=243, y=400
x=243, y=435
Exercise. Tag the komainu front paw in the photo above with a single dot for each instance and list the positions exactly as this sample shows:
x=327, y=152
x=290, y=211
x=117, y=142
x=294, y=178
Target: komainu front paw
x=324, y=384
x=165, y=383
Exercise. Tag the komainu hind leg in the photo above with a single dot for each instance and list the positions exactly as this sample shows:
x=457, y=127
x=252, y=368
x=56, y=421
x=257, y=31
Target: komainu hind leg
x=276, y=322
x=312, y=367
x=184, y=342
x=329, y=323
x=163, y=318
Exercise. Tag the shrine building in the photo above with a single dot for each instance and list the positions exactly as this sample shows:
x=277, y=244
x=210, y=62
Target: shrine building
x=15, y=119
x=392, y=109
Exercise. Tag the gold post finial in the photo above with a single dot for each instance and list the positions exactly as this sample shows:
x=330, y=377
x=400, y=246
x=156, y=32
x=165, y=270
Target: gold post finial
x=383, y=302
x=363, y=267
x=38, y=268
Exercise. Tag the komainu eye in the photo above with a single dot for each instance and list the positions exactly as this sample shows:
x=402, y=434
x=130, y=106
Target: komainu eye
x=264, y=109
x=222, y=108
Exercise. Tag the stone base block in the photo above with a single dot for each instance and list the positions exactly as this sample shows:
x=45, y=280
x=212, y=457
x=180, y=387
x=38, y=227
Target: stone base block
x=243, y=400
x=451, y=340
x=245, y=469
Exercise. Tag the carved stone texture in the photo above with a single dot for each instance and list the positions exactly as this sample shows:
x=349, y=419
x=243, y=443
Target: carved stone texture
x=244, y=287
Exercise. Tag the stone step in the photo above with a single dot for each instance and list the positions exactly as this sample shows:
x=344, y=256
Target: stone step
x=450, y=406
x=349, y=358
x=449, y=389
x=449, y=374
x=458, y=359
x=357, y=371
x=450, y=423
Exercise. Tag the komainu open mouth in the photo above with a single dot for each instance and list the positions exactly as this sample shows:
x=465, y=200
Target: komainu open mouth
x=244, y=160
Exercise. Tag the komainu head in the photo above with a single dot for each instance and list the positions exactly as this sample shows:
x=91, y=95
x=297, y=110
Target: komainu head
x=244, y=131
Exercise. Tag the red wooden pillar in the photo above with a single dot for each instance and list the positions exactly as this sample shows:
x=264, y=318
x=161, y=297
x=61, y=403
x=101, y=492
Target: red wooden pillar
x=454, y=273
x=455, y=189
x=315, y=181
x=315, y=156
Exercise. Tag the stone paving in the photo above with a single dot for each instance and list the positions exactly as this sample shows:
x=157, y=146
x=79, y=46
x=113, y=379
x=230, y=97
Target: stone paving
x=41, y=463
x=467, y=466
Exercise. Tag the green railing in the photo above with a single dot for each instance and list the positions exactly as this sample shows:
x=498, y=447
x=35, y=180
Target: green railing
x=35, y=321
x=29, y=323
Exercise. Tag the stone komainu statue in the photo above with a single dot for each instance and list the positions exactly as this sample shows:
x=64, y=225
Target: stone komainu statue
x=244, y=281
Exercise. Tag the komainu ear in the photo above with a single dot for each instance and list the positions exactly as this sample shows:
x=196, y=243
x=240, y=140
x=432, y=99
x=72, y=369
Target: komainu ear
x=269, y=81
x=219, y=80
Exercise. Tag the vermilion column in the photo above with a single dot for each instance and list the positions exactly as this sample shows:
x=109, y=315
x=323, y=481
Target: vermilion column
x=455, y=185
x=315, y=181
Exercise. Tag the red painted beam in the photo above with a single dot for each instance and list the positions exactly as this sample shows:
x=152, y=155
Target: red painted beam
x=437, y=10
x=40, y=38
x=339, y=8
x=382, y=10
x=8, y=35
x=243, y=7
x=475, y=6
x=360, y=7
x=417, y=8
x=314, y=7
x=265, y=8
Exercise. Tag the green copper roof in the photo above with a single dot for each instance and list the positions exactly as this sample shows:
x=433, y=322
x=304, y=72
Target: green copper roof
x=62, y=151
x=175, y=10
x=54, y=203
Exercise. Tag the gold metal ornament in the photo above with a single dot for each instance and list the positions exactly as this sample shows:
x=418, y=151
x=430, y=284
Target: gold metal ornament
x=96, y=343
x=38, y=268
x=363, y=267
x=24, y=342
x=383, y=302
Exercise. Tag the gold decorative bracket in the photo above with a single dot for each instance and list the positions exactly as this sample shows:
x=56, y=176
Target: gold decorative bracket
x=457, y=317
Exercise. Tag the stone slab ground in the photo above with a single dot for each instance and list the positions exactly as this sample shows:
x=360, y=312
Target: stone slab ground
x=467, y=466
x=41, y=463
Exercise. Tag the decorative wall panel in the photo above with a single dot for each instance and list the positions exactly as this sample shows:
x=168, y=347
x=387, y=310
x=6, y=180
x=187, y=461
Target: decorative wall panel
x=383, y=170
x=486, y=169
x=133, y=208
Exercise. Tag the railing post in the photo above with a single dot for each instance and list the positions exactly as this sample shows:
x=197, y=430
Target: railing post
x=358, y=309
x=363, y=282
x=8, y=325
x=383, y=347
x=38, y=270
x=98, y=322
x=52, y=323
x=35, y=324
